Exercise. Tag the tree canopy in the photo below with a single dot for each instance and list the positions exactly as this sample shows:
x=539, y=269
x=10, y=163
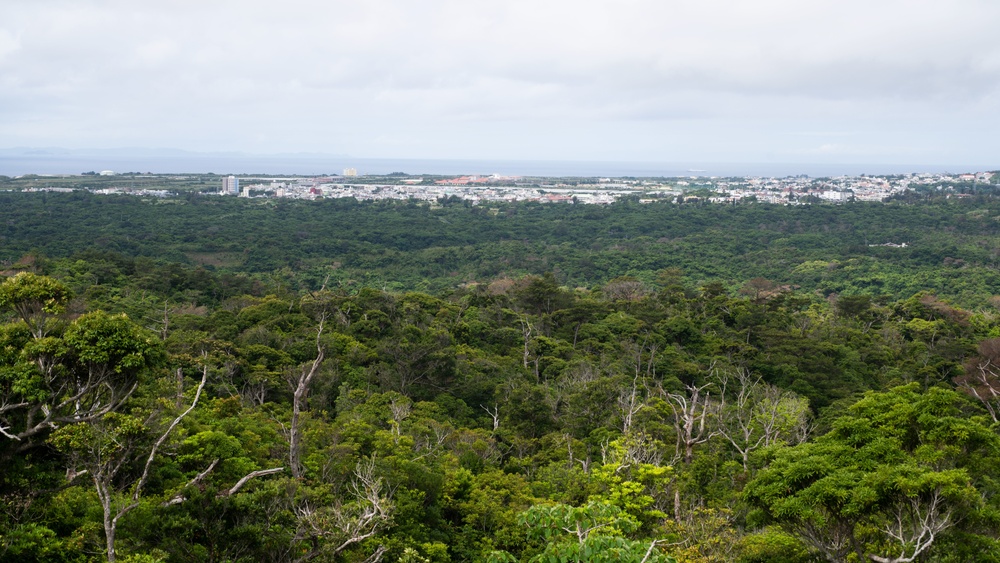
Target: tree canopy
x=533, y=384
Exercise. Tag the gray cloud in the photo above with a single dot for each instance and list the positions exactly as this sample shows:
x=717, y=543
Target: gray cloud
x=583, y=79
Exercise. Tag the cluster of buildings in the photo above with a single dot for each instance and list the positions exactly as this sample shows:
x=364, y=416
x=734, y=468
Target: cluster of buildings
x=478, y=189
x=107, y=191
x=801, y=189
x=483, y=189
x=474, y=193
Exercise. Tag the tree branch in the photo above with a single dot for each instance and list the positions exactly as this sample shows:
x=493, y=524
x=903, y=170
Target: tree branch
x=166, y=433
x=252, y=475
x=179, y=498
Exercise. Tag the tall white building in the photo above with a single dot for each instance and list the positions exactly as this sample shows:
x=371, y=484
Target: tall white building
x=230, y=185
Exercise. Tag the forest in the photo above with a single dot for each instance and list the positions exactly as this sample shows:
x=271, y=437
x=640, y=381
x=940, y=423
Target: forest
x=213, y=379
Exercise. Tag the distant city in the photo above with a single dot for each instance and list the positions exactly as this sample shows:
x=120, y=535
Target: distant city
x=477, y=189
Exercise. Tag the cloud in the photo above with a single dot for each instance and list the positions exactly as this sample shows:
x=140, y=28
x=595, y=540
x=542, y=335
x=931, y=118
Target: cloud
x=345, y=76
x=8, y=43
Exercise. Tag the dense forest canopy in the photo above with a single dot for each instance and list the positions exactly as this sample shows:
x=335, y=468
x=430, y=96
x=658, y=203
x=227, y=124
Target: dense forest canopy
x=213, y=379
x=949, y=247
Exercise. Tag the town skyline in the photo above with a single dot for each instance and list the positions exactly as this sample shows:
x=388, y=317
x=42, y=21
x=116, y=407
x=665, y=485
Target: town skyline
x=485, y=189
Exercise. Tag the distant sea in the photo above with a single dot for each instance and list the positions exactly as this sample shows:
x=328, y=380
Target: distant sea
x=20, y=162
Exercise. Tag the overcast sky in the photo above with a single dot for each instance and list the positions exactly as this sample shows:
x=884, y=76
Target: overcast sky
x=880, y=81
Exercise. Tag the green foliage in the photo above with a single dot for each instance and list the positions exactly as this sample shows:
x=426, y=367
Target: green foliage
x=900, y=453
x=773, y=544
x=34, y=298
x=111, y=435
x=630, y=486
x=34, y=543
x=105, y=343
x=403, y=246
x=516, y=418
x=594, y=532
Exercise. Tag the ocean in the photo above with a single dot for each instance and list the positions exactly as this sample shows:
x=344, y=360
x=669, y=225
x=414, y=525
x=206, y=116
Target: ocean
x=49, y=164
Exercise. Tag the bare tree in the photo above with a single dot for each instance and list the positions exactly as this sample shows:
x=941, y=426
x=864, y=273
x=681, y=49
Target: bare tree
x=526, y=330
x=624, y=288
x=912, y=525
x=758, y=414
x=400, y=407
x=834, y=537
x=631, y=400
x=982, y=377
x=631, y=451
x=179, y=497
x=333, y=528
x=306, y=374
x=629, y=404
x=418, y=358
x=759, y=289
x=103, y=447
x=494, y=414
x=915, y=524
x=691, y=412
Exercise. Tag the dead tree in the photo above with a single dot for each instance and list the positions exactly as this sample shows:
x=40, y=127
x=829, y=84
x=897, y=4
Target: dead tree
x=982, y=377
x=691, y=412
x=306, y=375
x=104, y=446
x=400, y=408
x=331, y=529
x=526, y=329
x=758, y=414
x=915, y=524
x=494, y=414
x=179, y=497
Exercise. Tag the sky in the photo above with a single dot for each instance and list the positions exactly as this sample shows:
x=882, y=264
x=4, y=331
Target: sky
x=869, y=81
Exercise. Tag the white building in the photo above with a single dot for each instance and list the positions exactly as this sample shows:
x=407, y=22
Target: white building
x=230, y=185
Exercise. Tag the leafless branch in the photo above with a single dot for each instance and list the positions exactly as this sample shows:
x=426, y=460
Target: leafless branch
x=494, y=414
x=691, y=410
x=916, y=524
x=246, y=478
x=163, y=438
x=298, y=402
x=179, y=498
x=759, y=414
x=344, y=524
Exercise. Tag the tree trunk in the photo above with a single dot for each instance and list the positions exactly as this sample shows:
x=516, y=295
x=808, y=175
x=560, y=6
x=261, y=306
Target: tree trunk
x=110, y=524
x=298, y=400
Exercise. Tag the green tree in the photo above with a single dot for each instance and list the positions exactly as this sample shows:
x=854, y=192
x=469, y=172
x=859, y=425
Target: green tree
x=85, y=373
x=593, y=533
x=106, y=446
x=899, y=471
x=36, y=300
